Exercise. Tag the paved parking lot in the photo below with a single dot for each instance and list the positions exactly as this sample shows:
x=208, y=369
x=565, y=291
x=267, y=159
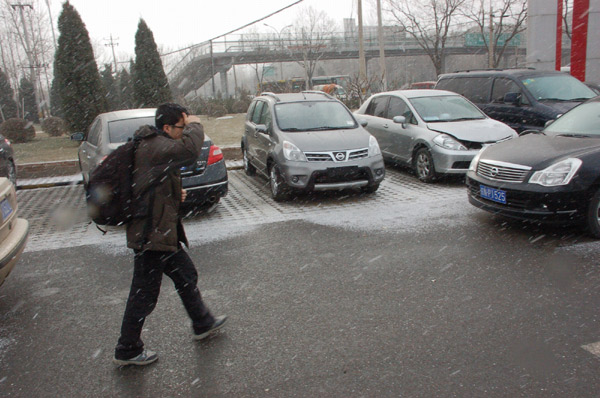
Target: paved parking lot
x=58, y=217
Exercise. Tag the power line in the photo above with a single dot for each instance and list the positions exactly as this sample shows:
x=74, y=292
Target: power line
x=231, y=31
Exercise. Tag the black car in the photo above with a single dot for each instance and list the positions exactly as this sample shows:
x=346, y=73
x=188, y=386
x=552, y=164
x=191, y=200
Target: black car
x=549, y=176
x=522, y=98
x=205, y=181
x=7, y=161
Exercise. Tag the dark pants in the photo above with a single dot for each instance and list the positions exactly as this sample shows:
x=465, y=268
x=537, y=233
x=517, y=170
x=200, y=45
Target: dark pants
x=145, y=287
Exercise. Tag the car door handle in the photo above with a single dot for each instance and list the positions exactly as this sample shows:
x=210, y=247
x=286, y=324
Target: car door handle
x=385, y=126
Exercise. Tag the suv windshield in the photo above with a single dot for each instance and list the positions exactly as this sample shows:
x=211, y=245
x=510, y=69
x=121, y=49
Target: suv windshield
x=448, y=108
x=122, y=130
x=313, y=116
x=557, y=88
x=582, y=121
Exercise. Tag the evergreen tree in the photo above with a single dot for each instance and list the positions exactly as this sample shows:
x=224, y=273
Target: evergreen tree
x=27, y=95
x=150, y=85
x=55, y=102
x=8, y=106
x=75, y=72
x=110, y=87
x=126, y=89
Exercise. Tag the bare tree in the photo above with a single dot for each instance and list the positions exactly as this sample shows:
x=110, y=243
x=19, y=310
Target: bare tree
x=308, y=42
x=505, y=19
x=429, y=23
x=567, y=16
x=26, y=45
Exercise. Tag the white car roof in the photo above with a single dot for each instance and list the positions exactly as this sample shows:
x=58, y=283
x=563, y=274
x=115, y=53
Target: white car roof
x=418, y=93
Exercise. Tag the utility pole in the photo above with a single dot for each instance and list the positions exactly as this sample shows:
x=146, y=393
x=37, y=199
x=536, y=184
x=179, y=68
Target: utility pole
x=112, y=45
x=362, y=64
x=491, y=38
x=381, y=47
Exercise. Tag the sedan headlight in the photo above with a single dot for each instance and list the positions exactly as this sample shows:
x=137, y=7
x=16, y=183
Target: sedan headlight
x=447, y=142
x=373, y=147
x=559, y=173
x=475, y=162
x=291, y=152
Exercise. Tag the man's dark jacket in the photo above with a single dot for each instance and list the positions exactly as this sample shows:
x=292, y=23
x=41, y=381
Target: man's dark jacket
x=159, y=158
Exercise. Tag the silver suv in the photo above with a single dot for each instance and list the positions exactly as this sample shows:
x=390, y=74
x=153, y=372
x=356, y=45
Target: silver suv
x=309, y=141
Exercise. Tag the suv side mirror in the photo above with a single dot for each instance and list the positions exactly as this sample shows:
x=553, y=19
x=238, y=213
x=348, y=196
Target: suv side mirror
x=400, y=120
x=77, y=137
x=512, y=98
x=261, y=128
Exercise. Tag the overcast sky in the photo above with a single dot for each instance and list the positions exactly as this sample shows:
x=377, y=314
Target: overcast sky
x=179, y=23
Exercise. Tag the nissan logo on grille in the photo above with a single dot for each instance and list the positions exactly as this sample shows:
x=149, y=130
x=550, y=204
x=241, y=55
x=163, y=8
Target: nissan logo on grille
x=339, y=156
x=494, y=171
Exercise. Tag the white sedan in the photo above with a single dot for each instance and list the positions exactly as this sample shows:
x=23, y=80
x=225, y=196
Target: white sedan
x=434, y=131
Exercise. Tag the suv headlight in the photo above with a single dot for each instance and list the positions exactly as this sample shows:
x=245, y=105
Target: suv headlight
x=373, y=147
x=559, y=173
x=475, y=161
x=291, y=152
x=447, y=142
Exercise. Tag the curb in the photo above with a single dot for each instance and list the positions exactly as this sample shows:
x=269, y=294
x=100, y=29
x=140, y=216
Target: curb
x=63, y=173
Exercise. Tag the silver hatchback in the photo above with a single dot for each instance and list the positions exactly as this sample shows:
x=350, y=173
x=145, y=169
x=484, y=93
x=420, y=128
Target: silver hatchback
x=436, y=132
x=309, y=141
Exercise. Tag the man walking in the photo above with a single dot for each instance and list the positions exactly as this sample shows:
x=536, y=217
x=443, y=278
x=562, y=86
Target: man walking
x=157, y=236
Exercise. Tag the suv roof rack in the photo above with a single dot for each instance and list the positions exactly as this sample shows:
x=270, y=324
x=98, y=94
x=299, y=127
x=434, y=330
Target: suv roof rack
x=491, y=69
x=317, y=92
x=270, y=94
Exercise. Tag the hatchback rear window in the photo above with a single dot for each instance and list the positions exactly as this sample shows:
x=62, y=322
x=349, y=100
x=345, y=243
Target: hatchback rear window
x=122, y=130
x=313, y=116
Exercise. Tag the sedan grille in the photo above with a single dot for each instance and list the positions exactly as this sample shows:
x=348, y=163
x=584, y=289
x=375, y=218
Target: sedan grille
x=501, y=171
x=337, y=156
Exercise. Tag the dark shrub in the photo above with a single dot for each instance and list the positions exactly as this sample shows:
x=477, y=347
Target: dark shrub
x=18, y=130
x=216, y=110
x=240, y=106
x=54, y=126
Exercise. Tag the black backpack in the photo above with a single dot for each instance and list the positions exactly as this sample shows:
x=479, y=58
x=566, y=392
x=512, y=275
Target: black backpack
x=109, y=194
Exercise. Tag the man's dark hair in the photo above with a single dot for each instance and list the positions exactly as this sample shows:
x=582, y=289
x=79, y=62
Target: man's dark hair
x=169, y=114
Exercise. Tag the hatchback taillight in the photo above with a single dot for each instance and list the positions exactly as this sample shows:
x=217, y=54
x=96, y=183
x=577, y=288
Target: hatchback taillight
x=214, y=155
x=7, y=142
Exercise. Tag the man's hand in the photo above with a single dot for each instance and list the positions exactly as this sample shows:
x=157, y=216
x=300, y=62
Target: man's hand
x=187, y=119
x=183, y=195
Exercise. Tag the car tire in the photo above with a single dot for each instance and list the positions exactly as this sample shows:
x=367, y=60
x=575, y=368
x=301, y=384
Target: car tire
x=248, y=168
x=593, y=215
x=12, y=172
x=423, y=166
x=279, y=189
x=370, y=188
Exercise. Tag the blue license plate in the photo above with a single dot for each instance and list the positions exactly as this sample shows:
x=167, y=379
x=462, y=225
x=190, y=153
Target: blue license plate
x=497, y=195
x=6, y=209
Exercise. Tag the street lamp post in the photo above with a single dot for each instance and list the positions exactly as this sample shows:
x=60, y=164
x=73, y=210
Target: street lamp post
x=279, y=32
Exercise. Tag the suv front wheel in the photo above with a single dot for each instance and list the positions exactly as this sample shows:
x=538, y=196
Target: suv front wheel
x=279, y=189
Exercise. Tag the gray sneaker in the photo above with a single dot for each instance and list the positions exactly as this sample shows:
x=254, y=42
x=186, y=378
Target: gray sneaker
x=220, y=321
x=145, y=358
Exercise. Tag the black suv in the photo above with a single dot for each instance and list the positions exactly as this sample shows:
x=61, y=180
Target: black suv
x=522, y=98
x=309, y=141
